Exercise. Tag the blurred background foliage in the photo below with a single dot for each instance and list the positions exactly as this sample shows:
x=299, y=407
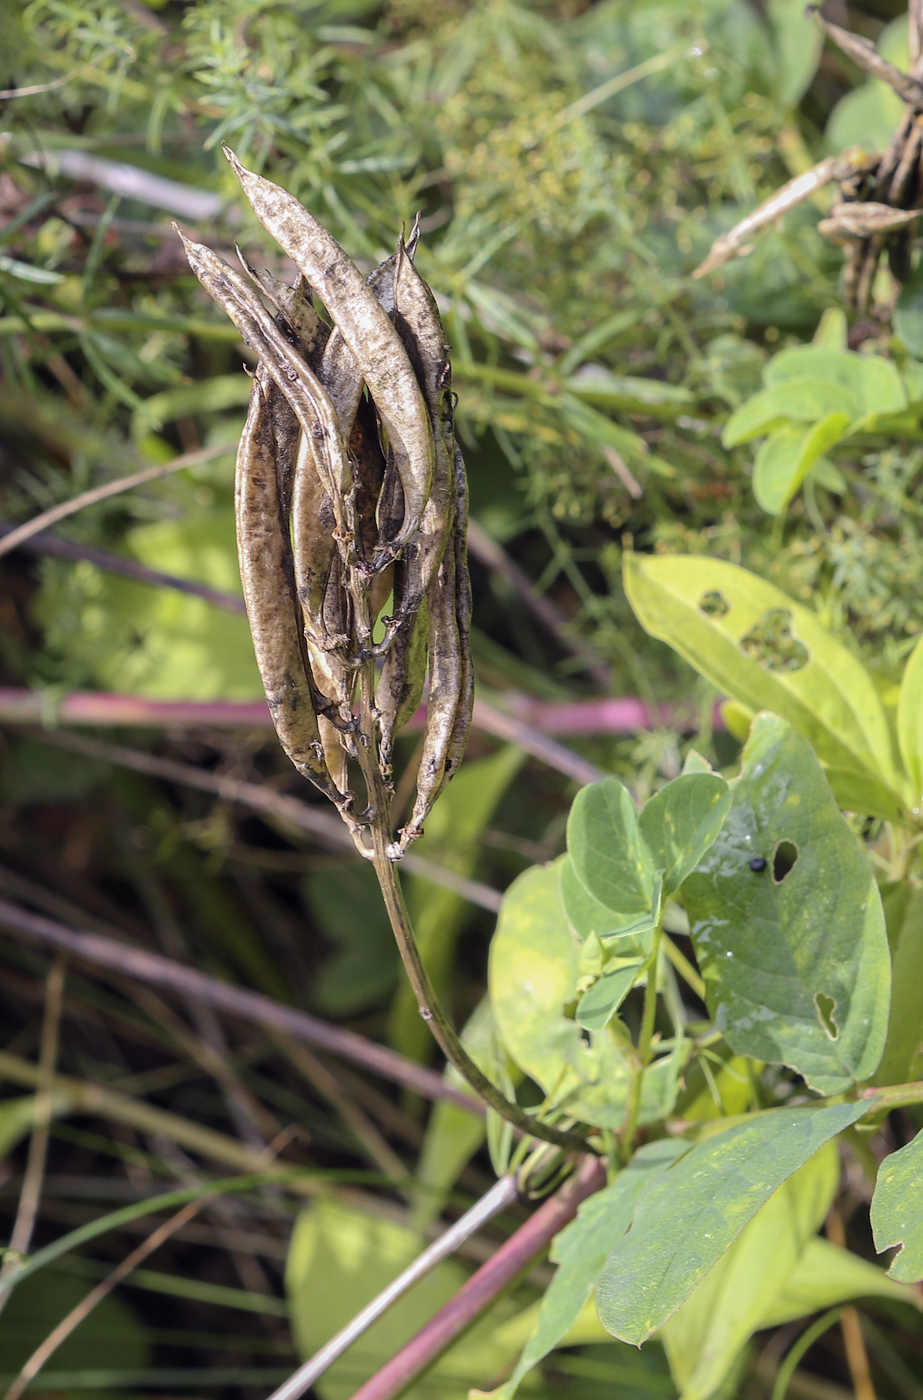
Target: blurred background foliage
x=572, y=163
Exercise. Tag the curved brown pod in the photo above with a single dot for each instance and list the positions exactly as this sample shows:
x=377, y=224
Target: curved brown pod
x=283, y=362
x=268, y=584
x=418, y=323
x=365, y=327
x=400, y=682
x=461, y=724
x=445, y=679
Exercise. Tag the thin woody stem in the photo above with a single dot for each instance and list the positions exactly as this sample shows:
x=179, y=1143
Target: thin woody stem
x=444, y=1033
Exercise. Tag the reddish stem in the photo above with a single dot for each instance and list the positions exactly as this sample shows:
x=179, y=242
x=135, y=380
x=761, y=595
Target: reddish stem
x=519, y=722
x=484, y=1286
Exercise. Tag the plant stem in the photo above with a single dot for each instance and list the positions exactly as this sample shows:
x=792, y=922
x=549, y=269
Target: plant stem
x=444, y=1033
x=485, y=1285
x=644, y=1044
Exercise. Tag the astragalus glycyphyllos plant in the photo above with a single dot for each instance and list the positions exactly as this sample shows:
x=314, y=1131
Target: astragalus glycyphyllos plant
x=350, y=490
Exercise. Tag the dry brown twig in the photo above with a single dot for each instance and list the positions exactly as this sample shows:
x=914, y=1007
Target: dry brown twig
x=350, y=487
x=876, y=211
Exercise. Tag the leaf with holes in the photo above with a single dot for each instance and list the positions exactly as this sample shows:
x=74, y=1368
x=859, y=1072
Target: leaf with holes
x=897, y=1210
x=689, y=1217
x=787, y=921
x=765, y=651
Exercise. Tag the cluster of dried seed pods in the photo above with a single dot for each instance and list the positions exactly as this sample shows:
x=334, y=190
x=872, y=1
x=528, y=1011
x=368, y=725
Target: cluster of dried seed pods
x=350, y=491
x=879, y=195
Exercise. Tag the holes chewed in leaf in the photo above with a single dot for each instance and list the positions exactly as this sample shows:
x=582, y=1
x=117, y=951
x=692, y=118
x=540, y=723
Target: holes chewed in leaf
x=714, y=604
x=770, y=642
x=825, y=1007
x=783, y=860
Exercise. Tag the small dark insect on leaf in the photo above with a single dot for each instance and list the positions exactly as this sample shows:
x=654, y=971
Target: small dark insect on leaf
x=757, y=864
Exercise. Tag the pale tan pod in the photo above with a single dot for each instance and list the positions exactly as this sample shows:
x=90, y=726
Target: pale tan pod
x=417, y=320
x=313, y=523
x=295, y=305
x=461, y=724
x=365, y=327
x=284, y=363
x=337, y=369
x=445, y=679
x=402, y=677
x=268, y=586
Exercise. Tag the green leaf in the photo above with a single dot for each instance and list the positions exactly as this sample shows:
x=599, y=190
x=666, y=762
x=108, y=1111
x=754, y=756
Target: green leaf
x=797, y=41
x=794, y=956
x=905, y=1022
x=599, y=1004
x=533, y=975
x=826, y=1275
x=688, y=1218
x=606, y=852
x=801, y=400
x=340, y=1257
x=580, y=1252
x=786, y=457
x=897, y=1210
x=874, y=381
x=139, y=640
x=910, y=720
x=589, y=918
x=704, y=1337
x=765, y=651
x=680, y=822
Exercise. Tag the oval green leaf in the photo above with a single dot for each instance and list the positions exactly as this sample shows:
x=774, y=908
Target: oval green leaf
x=897, y=1210
x=689, y=1217
x=801, y=400
x=785, y=458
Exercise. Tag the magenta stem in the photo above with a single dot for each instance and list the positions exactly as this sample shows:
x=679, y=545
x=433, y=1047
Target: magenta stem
x=520, y=714
x=484, y=1286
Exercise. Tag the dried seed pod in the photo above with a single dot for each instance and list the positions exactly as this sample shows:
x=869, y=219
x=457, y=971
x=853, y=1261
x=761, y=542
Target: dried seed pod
x=297, y=381
x=460, y=729
x=461, y=725
x=445, y=682
x=313, y=525
x=403, y=674
x=294, y=304
x=417, y=319
x=268, y=583
x=366, y=329
x=338, y=370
